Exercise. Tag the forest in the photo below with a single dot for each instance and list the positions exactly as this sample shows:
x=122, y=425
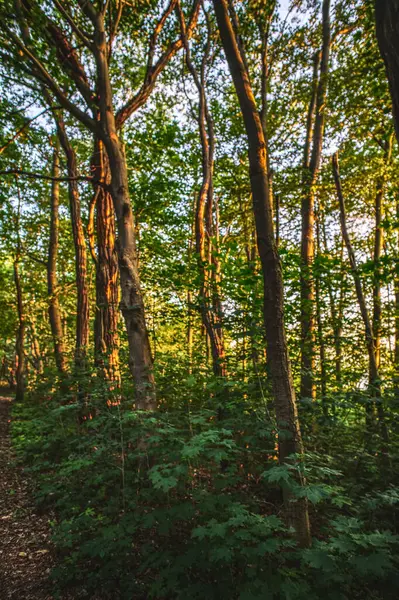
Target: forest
x=199, y=290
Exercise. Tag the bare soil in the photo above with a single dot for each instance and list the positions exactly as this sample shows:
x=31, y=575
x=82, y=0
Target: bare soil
x=26, y=553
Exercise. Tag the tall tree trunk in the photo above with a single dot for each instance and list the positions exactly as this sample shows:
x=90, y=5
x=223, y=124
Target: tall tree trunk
x=82, y=308
x=378, y=245
x=37, y=359
x=52, y=282
x=387, y=30
x=319, y=320
x=20, y=341
x=378, y=241
x=106, y=340
x=132, y=304
x=374, y=376
x=284, y=395
x=396, y=288
x=336, y=312
x=311, y=166
x=209, y=293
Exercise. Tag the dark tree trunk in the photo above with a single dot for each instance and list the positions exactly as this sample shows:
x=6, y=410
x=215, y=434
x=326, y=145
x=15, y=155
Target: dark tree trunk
x=37, y=358
x=387, y=29
x=290, y=441
x=374, y=376
x=209, y=293
x=82, y=308
x=319, y=320
x=20, y=343
x=52, y=282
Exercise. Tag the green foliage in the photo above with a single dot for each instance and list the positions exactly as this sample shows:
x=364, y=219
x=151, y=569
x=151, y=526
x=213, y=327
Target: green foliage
x=181, y=505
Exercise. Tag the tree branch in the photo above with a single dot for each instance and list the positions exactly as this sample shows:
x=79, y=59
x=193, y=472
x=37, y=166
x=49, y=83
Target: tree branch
x=31, y=175
x=73, y=25
x=153, y=71
x=18, y=133
x=42, y=74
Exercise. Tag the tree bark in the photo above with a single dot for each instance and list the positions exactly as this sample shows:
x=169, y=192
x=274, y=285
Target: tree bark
x=37, y=358
x=378, y=245
x=209, y=293
x=106, y=339
x=132, y=304
x=20, y=342
x=311, y=170
x=290, y=441
x=319, y=320
x=52, y=282
x=374, y=376
x=82, y=308
x=387, y=30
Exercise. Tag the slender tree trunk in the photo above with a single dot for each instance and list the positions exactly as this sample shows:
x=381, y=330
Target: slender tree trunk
x=277, y=218
x=106, y=340
x=20, y=343
x=336, y=313
x=35, y=348
x=378, y=245
x=132, y=303
x=375, y=381
x=387, y=30
x=396, y=291
x=378, y=241
x=311, y=170
x=284, y=395
x=320, y=334
x=82, y=308
x=211, y=306
x=52, y=282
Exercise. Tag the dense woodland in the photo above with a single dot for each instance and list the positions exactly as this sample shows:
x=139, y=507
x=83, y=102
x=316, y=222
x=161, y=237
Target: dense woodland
x=199, y=294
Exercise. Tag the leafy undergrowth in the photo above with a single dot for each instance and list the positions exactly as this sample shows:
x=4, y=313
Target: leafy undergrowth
x=181, y=504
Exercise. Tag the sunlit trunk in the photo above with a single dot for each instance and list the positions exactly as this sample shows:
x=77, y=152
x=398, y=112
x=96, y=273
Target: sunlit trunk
x=290, y=441
x=52, y=282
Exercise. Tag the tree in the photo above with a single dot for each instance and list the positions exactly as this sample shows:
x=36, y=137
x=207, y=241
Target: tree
x=283, y=389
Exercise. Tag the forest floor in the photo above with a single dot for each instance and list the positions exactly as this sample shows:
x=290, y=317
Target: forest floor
x=26, y=555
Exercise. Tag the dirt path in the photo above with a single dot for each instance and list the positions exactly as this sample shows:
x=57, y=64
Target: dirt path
x=25, y=550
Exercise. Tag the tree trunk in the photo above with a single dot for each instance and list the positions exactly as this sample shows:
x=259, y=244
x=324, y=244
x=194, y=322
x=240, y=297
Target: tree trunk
x=290, y=441
x=82, y=308
x=20, y=342
x=396, y=289
x=378, y=245
x=374, y=376
x=37, y=359
x=378, y=241
x=336, y=313
x=52, y=282
x=132, y=304
x=209, y=293
x=387, y=30
x=106, y=340
x=311, y=166
x=320, y=335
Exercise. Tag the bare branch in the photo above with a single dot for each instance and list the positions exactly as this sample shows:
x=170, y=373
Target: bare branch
x=153, y=71
x=31, y=175
x=44, y=76
x=73, y=25
x=115, y=26
x=24, y=126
